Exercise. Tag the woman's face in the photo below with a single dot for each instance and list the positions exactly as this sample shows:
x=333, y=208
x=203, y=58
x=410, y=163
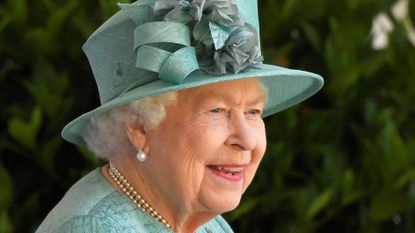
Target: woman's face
x=205, y=153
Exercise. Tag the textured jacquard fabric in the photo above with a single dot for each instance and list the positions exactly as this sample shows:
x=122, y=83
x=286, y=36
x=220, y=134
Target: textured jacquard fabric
x=92, y=205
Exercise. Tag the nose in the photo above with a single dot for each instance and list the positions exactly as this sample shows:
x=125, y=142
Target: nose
x=242, y=136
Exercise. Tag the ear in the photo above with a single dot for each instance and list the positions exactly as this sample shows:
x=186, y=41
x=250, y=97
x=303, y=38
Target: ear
x=136, y=133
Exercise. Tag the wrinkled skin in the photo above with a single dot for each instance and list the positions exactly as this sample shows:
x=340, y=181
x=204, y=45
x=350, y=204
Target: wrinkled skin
x=208, y=127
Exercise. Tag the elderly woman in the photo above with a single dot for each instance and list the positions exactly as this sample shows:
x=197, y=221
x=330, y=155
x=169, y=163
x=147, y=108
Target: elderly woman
x=183, y=93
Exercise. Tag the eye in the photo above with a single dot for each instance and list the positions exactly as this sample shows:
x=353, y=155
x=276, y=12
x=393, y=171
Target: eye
x=217, y=110
x=254, y=112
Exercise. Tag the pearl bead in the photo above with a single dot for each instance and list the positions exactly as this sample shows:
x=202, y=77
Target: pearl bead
x=128, y=190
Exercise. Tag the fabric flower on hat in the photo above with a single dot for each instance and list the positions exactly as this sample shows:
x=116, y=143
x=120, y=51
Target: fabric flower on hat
x=223, y=42
x=240, y=51
x=223, y=50
x=180, y=11
x=222, y=12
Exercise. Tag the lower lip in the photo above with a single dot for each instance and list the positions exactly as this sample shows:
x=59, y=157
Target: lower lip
x=227, y=176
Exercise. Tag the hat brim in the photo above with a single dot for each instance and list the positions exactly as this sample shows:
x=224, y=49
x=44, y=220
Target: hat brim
x=286, y=87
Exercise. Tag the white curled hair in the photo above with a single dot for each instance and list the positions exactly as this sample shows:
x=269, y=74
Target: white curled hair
x=105, y=134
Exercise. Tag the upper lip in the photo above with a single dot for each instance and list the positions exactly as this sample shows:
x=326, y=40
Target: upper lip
x=229, y=167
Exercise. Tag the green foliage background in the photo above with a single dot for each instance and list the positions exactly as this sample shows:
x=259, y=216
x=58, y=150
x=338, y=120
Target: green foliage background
x=343, y=161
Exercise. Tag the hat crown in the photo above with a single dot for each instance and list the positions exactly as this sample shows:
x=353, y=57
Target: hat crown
x=133, y=56
x=128, y=51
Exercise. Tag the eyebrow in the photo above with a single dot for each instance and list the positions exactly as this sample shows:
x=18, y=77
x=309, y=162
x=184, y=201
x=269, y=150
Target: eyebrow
x=228, y=99
x=257, y=100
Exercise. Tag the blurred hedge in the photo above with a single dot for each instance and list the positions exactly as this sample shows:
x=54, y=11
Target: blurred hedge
x=343, y=161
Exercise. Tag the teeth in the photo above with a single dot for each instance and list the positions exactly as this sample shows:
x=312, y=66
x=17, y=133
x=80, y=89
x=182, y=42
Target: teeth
x=232, y=170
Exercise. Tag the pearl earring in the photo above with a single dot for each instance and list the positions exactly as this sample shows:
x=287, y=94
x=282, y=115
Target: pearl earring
x=141, y=156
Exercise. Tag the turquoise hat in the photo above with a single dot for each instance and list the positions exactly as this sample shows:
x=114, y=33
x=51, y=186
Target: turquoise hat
x=155, y=46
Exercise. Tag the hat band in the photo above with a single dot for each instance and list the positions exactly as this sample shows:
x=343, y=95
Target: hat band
x=149, y=41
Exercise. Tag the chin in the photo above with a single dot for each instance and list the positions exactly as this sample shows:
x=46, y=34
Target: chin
x=224, y=203
x=233, y=206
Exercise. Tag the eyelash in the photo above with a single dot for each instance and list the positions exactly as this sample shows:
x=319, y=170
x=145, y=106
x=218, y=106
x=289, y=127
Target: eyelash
x=255, y=112
x=217, y=110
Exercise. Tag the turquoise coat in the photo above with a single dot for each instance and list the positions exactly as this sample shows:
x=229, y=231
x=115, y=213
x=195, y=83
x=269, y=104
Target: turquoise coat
x=92, y=205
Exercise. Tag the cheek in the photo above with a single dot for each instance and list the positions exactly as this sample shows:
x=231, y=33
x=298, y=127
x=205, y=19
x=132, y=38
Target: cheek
x=180, y=175
x=190, y=172
x=257, y=156
x=191, y=147
x=203, y=138
x=262, y=141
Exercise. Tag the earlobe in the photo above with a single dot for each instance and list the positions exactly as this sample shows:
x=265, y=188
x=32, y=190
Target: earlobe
x=136, y=133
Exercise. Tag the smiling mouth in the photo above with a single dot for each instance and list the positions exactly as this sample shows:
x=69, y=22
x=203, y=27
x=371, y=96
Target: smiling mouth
x=229, y=172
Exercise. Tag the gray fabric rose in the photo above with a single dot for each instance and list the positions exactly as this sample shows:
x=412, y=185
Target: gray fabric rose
x=224, y=42
x=183, y=11
x=240, y=51
x=222, y=12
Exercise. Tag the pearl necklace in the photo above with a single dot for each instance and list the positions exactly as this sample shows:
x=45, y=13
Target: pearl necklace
x=128, y=190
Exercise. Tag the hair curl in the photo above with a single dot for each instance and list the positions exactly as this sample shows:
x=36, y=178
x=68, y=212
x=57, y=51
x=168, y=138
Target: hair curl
x=105, y=134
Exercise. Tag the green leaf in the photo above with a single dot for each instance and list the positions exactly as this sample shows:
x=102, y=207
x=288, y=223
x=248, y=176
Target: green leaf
x=350, y=192
x=59, y=17
x=49, y=152
x=393, y=145
x=405, y=179
x=110, y=6
x=312, y=36
x=15, y=11
x=387, y=204
x=89, y=156
x=351, y=197
x=47, y=87
x=41, y=40
x=319, y=203
x=25, y=132
x=5, y=19
x=245, y=207
x=5, y=223
x=6, y=188
x=19, y=11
